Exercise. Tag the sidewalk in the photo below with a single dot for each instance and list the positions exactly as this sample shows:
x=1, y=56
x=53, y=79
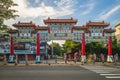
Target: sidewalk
x=62, y=63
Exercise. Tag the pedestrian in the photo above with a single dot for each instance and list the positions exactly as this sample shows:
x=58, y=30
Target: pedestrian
x=94, y=58
x=115, y=58
x=102, y=58
x=75, y=57
x=55, y=58
x=65, y=58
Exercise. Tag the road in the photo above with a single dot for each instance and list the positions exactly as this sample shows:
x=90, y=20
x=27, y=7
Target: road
x=61, y=72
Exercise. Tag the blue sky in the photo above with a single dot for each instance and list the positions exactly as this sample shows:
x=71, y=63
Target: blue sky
x=83, y=10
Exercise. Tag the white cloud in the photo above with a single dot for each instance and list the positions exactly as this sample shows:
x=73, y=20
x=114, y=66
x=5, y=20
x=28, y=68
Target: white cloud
x=36, y=1
x=105, y=15
x=57, y=41
x=89, y=7
x=24, y=10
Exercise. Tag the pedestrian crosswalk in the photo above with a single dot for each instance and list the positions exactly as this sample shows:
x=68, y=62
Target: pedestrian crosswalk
x=107, y=72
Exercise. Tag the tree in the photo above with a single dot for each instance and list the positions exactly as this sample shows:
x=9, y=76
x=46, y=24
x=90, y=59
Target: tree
x=115, y=46
x=56, y=49
x=71, y=46
x=95, y=47
x=6, y=12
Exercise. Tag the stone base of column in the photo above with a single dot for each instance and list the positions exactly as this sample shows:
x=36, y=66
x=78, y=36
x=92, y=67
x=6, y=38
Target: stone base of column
x=37, y=59
x=83, y=58
x=110, y=58
x=11, y=59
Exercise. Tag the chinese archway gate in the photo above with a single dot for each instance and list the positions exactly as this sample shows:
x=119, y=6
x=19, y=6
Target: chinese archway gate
x=60, y=29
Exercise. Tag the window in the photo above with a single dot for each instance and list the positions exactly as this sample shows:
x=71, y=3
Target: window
x=74, y=34
x=29, y=31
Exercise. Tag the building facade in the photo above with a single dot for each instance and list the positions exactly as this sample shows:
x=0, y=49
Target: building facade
x=117, y=33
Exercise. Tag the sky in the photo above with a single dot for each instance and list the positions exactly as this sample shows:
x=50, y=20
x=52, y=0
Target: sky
x=82, y=10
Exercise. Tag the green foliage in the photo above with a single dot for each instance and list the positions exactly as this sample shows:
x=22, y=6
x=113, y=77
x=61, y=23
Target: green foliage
x=6, y=12
x=69, y=46
x=56, y=48
x=115, y=46
x=94, y=47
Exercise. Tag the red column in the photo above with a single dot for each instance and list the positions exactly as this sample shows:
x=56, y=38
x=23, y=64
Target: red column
x=83, y=44
x=48, y=29
x=90, y=34
x=18, y=33
x=72, y=30
x=11, y=46
x=38, y=45
x=109, y=46
x=103, y=33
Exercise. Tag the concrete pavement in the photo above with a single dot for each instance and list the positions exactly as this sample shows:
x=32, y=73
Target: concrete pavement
x=48, y=73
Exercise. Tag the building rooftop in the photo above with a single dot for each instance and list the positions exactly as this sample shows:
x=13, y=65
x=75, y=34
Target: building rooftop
x=80, y=27
x=24, y=24
x=109, y=30
x=49, y=20
x=12, y=31
x=41, y=28
x=99, y=24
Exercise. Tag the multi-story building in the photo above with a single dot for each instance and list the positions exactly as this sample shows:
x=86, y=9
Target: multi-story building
x=117, y=33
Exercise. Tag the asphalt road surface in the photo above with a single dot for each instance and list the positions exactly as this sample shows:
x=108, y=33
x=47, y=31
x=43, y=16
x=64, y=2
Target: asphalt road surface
x=65, y=72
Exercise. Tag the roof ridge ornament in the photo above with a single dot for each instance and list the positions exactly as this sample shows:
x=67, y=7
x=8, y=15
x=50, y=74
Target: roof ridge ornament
x=31, y=22
x=48, y=18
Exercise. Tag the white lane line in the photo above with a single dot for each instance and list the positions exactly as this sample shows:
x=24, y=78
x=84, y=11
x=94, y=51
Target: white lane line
x=112, y=76
x=102, y=72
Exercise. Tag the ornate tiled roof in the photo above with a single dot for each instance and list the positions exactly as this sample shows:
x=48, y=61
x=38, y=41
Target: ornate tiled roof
x=109, y=30
x=12, y=31
x=60, y=20
x=41, y=28
x=80, y=27
x=99, y=24
x=87, y=31
x=24, y=24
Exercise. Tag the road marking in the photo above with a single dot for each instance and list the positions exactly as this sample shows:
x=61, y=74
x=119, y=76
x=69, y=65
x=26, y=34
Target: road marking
x=112, y=77
x=102, y=72
x=110, y=74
